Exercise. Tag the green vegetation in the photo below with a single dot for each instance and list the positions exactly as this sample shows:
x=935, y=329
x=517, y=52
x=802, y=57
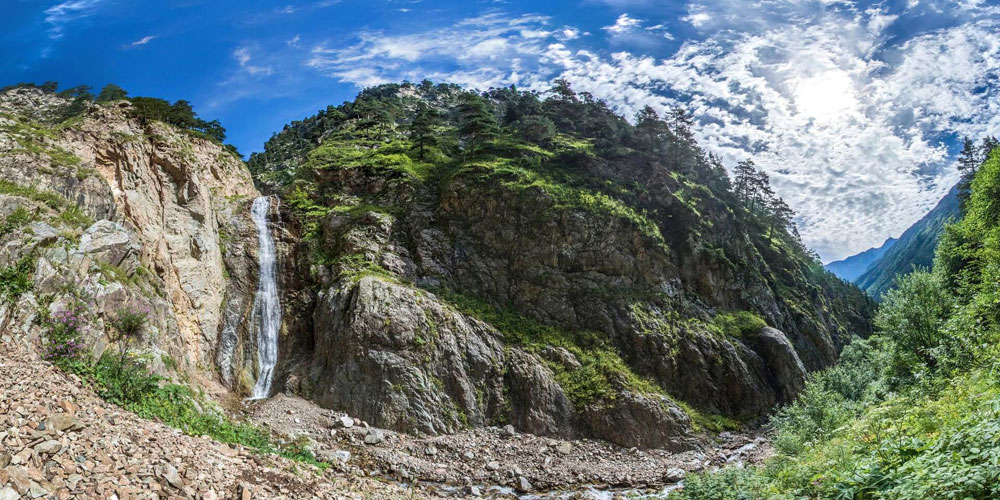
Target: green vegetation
x=601, y=369
x=738, y=323
x=180, y=113
x=16, y=279
x=123, y=378
x=914, y=411
x=50, y=199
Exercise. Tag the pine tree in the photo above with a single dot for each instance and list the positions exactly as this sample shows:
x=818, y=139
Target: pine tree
x=422, y=128
x=112, y=92
x=744, y=173
x=477, y=126
x=968, y=162
x=780, y=213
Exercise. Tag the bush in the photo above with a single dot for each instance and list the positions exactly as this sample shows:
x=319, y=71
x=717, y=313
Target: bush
x=738, y=323
x=911, y=320
x=16, y=279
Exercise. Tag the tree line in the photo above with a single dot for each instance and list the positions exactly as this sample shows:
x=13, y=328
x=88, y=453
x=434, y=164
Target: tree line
x=180, y=113
x=972, y=157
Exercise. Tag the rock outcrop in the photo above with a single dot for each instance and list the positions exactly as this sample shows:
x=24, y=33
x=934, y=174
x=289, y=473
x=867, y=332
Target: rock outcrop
x=125, y=211
x=565, y=290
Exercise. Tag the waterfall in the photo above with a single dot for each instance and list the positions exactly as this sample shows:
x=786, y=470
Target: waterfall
x=267, y=307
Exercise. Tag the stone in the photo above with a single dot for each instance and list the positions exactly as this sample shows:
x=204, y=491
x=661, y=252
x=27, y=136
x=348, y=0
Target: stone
x=492, y=466
x=508, y=430
x=472, y=491
x=346, y=422
x=36, y=490
x=523, y=485
x=9, y=494
x=172, y=477
x=373, y=436
x=469, y=455
x=564, y=448
x=675, y=475
x=49, y=447
x=62, y=422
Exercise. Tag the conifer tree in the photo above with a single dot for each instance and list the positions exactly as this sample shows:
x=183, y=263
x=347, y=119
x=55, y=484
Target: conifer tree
x=422, y=128
x=477, y=126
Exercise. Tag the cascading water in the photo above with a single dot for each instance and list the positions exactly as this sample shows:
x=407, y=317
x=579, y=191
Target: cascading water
x=267, y=307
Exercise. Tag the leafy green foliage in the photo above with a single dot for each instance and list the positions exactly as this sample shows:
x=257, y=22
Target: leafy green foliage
x=16, y=279
x=913, y=412
x=738, y=323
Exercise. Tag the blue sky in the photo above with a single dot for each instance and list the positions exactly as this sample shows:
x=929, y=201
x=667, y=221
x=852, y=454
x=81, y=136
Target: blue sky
x=853, y=107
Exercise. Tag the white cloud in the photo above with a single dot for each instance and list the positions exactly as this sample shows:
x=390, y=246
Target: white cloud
x=65, y=12
x=242, y=56
x=698, y=16
x=623, y=24
x=847, y=120
x=143, y=41
x=294, y=41
x=489, y=50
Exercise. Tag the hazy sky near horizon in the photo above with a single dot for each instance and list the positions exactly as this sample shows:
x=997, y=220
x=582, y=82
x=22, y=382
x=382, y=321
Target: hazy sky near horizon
x=855, y=109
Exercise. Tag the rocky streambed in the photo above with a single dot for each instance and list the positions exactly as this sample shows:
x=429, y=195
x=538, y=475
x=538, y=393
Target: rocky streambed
x=498, y=461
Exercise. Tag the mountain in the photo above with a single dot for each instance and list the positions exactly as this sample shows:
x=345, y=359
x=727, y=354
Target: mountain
x=502, y=257
x=436, y=263
x=854, y=266
x=914, y=248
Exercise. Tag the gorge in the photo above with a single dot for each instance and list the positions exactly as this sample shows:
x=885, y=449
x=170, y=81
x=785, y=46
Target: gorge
x=467, y=289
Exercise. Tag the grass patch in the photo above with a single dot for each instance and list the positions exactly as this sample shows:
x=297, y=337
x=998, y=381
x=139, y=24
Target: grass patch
x=737, y=324
x=16, y=279
x=129, y=384
x=601, y=372
x=50, y=199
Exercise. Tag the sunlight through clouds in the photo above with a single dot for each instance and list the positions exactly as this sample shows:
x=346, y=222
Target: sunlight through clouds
x=850, y=113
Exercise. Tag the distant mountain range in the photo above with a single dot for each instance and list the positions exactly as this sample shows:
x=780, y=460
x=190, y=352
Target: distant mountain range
x=854, y=266
x=875, y=269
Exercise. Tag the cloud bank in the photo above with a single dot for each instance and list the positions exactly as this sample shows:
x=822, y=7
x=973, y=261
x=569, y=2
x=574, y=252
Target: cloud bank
x=853, y=113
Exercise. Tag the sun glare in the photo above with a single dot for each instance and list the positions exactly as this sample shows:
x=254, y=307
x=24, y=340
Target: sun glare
x=825, y=97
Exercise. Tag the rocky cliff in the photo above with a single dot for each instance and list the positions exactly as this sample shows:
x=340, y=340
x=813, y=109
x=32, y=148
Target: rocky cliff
x=592, y=282
x=109, y=210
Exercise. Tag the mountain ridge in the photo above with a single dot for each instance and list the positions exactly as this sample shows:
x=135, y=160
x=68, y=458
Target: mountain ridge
x=914, y=248
x=850, y=268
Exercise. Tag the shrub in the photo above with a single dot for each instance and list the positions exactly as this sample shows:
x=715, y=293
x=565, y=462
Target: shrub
x=738, y=323
x=16, y=279
x=911, y=320
x=62, y=340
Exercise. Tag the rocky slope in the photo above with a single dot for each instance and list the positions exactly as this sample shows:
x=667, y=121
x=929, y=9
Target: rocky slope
x=568, y=286
x=62, y=441
x=111, y=210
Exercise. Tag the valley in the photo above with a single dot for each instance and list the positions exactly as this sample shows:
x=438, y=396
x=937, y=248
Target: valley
x=431, y=292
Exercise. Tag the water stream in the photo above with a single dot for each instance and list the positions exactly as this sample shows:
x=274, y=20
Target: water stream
x=267, y=307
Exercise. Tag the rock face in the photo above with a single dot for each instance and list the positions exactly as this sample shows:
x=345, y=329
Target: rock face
x=564, y=292
x=125, y=211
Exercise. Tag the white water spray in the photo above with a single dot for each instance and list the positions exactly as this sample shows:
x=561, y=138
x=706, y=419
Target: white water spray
x=267, y=307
